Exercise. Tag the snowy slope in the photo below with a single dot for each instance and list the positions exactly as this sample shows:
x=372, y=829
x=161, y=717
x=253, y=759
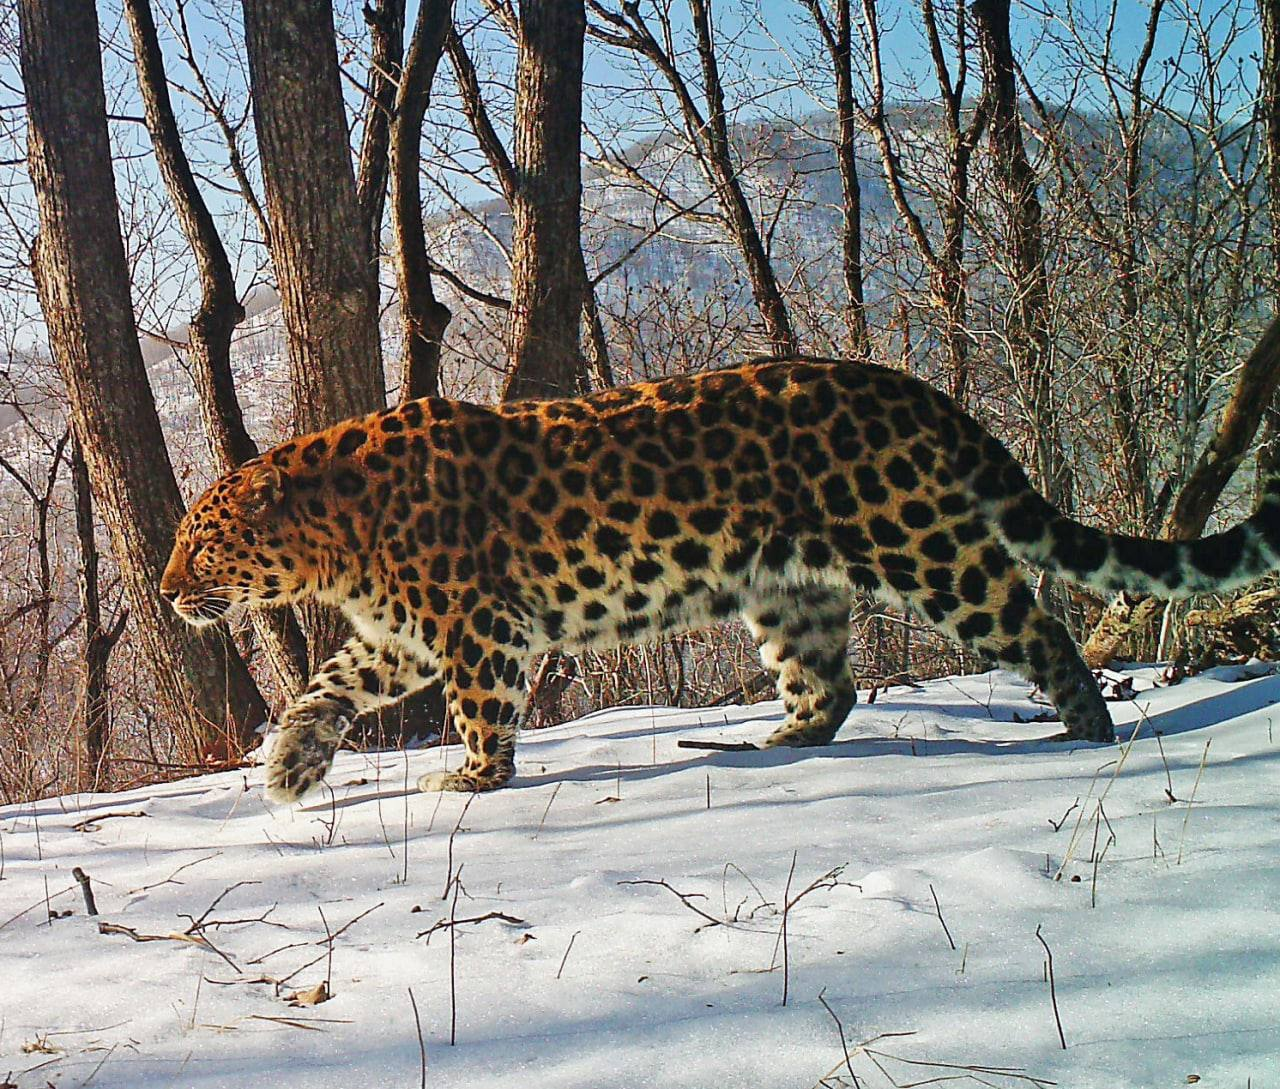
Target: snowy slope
x=1174, y=973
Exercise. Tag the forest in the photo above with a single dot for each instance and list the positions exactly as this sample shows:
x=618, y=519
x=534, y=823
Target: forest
x=225, y=225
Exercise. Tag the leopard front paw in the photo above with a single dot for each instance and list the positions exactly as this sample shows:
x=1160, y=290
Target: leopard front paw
x=301, y=755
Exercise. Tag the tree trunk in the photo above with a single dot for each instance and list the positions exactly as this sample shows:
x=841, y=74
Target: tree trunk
x=319, y=239
x=423, y=318
x=547, y=280
x=319, y=236
x=203, y=687
x=386, y=37
x=598, y=364
x=212, y=325
x=1269, y=106
x=838, y=38
x=1029, y=335
x=95, y=707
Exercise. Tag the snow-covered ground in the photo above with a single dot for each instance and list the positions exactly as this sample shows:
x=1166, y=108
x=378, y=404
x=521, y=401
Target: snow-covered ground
x=1164, y=926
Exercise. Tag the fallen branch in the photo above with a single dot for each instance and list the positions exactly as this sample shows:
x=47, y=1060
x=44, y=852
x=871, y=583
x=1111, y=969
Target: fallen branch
x=718, y=746
x=90, y=824
x=190, y=939
x=445, y=924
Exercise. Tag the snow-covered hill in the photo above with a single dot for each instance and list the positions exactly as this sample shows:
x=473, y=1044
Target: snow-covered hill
x=584, y=972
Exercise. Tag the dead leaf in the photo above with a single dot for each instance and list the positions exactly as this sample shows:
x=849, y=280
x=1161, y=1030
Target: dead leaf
x=602, y=801
x=312, y=996
x=525, y=938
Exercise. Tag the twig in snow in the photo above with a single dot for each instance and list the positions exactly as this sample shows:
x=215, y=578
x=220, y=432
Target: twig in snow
x=548, y=809
x=786, y=911
x=445, y=924
x=191, y=939
x=449, y=879
x=1053, y=990
x=938, y=908
x=685, y=898
x=328, y=937
x=1119, y=764
x=86, y=887
x=453, y=945
x=1168, y=790
x=829, y=880
x=199, y=924
x=90, y=824
x=844, y=1044
x=1192, y=800
x=717, y=746
x=565, y=959
x=404, y=870
x=422, y=1048
x=1057, y=825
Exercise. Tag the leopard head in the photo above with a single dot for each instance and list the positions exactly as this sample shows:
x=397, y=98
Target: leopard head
x=233, y=548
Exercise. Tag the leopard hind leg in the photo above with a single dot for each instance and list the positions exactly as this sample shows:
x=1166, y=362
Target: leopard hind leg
x=803, y=636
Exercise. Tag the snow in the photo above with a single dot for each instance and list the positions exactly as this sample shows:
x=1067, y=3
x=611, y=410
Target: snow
x=942, y=790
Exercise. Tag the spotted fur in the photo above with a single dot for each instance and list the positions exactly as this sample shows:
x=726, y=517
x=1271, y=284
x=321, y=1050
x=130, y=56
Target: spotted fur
x=461, y=541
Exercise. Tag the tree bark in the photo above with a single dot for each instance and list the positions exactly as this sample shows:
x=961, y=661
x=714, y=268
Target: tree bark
x=319, y=238
x=386, y=37
x=213, y=324
x=547, y=280
x=82, y=278
x=1269, y=106
x=95, y=707
x=1029, y=333
x=837, y=37
x=423, y=318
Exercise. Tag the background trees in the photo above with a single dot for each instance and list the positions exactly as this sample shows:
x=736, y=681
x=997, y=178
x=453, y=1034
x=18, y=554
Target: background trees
x=1061, y=217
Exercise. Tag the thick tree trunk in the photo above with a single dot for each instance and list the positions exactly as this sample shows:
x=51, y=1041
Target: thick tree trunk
x=212, y=325
x=547, y=280
x=202, y=686
x=423, y=318
x=319, y=238
x=320, y=243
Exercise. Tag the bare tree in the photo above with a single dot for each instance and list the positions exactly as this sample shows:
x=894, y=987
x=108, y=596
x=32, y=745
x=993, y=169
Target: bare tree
x=82, y=280
x=423, y=317
x=1029, y=333
x=1269, y=107
x=707, y=130
x=211, y=327
x=837, y=37
x=962, y=127
x=386, y=36
x=547, y=281
x=319, y=238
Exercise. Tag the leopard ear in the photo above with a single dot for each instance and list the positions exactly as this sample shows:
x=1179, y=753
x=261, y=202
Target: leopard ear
x=263, y=489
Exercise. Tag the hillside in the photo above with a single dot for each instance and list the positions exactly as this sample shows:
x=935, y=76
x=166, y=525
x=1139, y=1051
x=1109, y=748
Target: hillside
x=1164, y=952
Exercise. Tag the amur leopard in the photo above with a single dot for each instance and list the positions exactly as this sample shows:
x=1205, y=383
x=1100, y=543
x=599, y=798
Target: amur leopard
x=461, y=541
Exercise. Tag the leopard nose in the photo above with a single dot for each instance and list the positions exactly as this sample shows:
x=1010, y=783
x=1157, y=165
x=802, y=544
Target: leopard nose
x=169, y=594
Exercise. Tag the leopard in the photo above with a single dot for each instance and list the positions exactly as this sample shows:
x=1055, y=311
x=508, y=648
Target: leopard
x=462, y=541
